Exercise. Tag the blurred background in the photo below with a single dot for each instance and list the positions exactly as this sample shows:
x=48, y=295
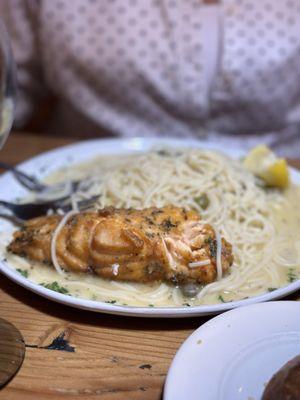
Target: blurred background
x=214, y=70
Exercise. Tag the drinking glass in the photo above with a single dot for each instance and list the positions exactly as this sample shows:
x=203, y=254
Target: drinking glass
x=7, y=85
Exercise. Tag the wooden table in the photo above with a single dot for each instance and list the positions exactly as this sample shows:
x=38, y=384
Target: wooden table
x=101, y=356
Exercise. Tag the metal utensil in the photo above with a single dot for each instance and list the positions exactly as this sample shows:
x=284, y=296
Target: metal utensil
x=7, y=85
x=33, y=184
x=28, y=181
x=12, y=351
x=52, y=192
x=31, y=210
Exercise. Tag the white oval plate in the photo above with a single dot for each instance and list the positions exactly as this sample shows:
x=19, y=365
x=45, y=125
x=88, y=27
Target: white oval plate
x=233, y=356
x=48, y=162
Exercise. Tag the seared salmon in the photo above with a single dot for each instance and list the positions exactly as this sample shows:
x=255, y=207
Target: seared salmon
x=167, y=244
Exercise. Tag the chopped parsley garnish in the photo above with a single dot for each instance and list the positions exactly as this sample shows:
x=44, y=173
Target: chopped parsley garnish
x=23, y=272
x=186, y=304
x=202, y=201
x=291, y=276
x=212, y=243
x=111, y=301
x=271, y=289
x=150, y=305
x=167, y=224
x=149, y=221
x=55, y=287
x=221, y=299
x=260, y=183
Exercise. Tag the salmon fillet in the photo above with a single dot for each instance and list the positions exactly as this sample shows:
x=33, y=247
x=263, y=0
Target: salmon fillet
x=154, y=244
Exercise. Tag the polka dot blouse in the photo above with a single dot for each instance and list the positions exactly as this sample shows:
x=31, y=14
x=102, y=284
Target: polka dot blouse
x=228, y=72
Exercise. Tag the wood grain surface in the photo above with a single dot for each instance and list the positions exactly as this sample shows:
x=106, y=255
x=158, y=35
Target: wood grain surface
x=74, y=354
x=12, y=351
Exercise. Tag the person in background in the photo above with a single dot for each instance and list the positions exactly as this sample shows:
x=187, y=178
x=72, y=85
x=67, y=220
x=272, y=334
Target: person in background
x=226, y=71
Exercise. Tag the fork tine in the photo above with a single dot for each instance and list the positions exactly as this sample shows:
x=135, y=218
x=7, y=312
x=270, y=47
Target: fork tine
x=28, y=181
x=27, y=210
x=82, y=204
x=87, y=202
x=31, y=210
x=33, y=184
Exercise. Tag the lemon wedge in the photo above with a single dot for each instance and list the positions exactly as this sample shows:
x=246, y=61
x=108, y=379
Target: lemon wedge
x=263, y=163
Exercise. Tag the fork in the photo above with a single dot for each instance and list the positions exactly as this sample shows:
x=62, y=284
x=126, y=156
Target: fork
x=31, y=210
x=33, y=184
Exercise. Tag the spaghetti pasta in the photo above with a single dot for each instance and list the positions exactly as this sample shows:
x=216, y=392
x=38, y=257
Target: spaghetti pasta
x=255, y=220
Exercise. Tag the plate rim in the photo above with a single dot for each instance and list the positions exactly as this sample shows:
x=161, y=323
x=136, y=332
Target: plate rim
x=98, y=306
x=225, y=317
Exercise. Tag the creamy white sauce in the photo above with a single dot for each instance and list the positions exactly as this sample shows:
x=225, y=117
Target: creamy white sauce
x=275, y=259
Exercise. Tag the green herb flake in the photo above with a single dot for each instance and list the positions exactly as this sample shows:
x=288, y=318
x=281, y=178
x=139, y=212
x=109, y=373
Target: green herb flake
x=202, y=201
x=167, y=225
x=221, y=299
x=261, y=184
x=271, y=289
x=55, y=287
x=212, y=244
x=186, y=304
x=111, y=301
x=23, y=272
x=291, y=276
x=150, y=305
